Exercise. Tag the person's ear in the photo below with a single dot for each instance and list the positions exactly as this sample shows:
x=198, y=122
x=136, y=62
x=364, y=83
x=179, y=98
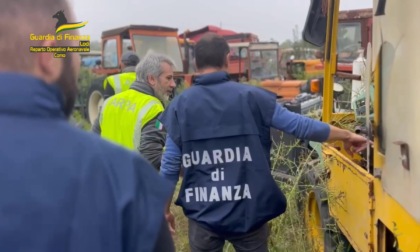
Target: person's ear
x=48, y=67
x=151, y=80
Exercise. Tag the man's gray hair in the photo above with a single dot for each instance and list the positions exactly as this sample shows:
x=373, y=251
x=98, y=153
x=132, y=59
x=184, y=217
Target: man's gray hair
x=151, y=65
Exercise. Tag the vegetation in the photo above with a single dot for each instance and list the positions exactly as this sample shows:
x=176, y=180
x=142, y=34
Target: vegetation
x=78, y=120
x=78, y=117
x=85, y=79
x=299, y=46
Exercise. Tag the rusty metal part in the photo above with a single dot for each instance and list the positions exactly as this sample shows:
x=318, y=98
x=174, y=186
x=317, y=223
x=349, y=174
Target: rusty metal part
x=281, y=176
x=349, y=76
x=355, y=14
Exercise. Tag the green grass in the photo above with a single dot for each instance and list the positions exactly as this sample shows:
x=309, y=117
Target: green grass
x=77, y=119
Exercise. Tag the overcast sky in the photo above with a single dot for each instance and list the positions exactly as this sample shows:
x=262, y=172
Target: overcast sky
x=269, y=19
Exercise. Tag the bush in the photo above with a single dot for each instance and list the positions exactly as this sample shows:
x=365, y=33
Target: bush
x=79, y=121
x=84, y=81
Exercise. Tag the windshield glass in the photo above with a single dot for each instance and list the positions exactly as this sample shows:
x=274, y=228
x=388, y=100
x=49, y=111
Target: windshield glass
x=349, y=42
x=166, y=45
x=264, y=64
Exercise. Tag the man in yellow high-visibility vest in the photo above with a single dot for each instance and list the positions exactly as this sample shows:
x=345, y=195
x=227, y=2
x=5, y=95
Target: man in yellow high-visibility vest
x=130, y=117
x=118, y=83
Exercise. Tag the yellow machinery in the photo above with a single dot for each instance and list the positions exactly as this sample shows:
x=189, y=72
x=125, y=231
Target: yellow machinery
x=372, y=201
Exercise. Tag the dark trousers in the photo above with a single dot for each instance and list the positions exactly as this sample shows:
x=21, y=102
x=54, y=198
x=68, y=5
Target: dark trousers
x=203, y=240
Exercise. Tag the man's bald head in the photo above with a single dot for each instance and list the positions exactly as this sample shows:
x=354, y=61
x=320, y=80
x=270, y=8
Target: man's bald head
x=21, y=18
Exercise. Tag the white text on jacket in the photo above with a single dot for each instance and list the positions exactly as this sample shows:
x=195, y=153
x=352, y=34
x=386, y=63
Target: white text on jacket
x=213, y=157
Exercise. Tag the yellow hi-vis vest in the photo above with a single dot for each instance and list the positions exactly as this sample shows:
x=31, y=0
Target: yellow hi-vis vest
x=125, y=114
x=120, y=82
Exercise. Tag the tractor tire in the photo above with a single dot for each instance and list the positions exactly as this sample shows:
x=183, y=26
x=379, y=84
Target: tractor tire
x=323, y=232
x=95, y=98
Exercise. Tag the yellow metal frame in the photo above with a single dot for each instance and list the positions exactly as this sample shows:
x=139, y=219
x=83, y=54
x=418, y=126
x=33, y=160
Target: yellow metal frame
x=314, y=223
x=350, y=191
x=357, y=200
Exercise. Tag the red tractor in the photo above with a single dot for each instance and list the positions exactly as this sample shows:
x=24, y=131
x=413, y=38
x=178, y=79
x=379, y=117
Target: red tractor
x=354, y=33
x=236, y=66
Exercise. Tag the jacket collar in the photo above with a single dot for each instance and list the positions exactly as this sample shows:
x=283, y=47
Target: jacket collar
x=212, y=78
x=129, y=69
x=28, y=95
x=143, y=88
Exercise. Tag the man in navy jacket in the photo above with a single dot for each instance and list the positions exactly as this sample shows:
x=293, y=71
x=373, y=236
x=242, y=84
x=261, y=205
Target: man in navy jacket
x=219, y=131
x=62, y=189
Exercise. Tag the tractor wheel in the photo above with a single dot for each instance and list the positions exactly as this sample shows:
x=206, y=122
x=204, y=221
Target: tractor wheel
x=95, y=99
x=323, y=233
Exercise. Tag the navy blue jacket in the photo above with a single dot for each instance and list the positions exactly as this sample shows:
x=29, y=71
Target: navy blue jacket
x=223, y=130
x=62, y=189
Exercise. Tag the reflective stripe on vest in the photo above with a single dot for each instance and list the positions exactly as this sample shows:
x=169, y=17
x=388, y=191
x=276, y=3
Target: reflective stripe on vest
x=117, y=84
x=139, y=122
x=125, y=114
x=120, y=82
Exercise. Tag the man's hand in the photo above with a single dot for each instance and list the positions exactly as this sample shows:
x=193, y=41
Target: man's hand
x=171, y=221
x=356, y=143
x=353, y=142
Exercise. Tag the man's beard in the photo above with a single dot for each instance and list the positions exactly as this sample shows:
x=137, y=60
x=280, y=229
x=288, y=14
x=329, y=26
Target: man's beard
x=67, y=82
x=160, y=93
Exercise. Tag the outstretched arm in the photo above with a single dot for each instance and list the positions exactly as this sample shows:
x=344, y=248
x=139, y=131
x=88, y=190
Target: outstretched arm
x=299, y=126
x=310, y=129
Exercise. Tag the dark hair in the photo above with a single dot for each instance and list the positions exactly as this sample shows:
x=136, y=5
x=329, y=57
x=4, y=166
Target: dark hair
x=211, y=51
x=130, y=59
